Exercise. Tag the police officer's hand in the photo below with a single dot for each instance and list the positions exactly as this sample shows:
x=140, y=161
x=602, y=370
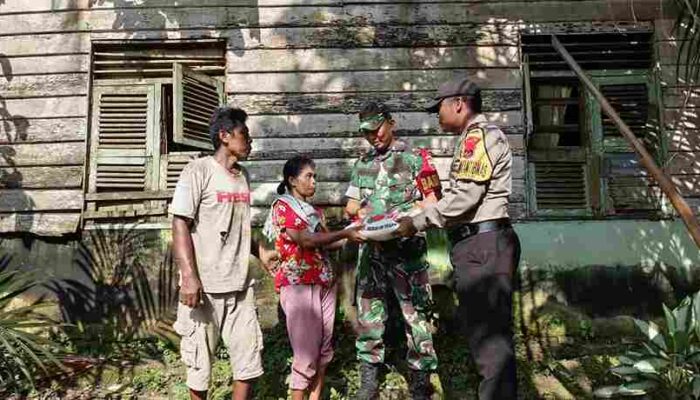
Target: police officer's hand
x=406, y=227
x=191, y=291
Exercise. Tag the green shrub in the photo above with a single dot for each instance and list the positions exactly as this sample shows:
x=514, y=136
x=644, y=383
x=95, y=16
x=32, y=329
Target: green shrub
x=667, y=362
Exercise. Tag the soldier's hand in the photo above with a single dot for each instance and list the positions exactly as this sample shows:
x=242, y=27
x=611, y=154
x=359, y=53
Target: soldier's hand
x=363, y=212
x=406, y=227
x=191, y=291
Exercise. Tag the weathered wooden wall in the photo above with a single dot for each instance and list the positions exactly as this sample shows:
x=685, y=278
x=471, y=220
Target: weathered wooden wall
x=301, y=68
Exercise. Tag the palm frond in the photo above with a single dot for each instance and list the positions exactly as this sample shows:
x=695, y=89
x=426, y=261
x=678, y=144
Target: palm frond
x=24, y=355
x=119, y=298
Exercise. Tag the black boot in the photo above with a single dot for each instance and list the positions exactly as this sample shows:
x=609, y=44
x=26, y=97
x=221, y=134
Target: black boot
x=420, y=385
x=369, y=382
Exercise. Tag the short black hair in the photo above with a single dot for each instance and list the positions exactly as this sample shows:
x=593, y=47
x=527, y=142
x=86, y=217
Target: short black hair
x=373, y=108
x=474, y=102
x=225, y=119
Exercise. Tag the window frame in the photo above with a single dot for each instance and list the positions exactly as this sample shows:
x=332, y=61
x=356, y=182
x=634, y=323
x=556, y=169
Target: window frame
x=151, y=202
x=651, y=80
x=564, y=154
x=592, y=145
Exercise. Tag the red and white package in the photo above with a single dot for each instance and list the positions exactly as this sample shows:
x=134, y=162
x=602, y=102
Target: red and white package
x=380, y=228
x=428, y=180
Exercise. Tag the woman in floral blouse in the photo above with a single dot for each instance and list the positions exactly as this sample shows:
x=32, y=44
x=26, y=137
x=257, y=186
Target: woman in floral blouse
x=304, y=276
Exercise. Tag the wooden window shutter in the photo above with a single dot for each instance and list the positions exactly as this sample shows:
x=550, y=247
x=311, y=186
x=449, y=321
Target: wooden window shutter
x=121, y=143
x=172, y=166
x=195, y=97
x=627, y=188
x=597, y=175
x=560, y=185
x=631, y=101
x=139, y=59
x=592, y=50
x=558, y=165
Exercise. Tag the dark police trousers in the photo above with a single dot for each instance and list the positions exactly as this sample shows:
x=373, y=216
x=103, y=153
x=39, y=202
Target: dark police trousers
x=484, y=273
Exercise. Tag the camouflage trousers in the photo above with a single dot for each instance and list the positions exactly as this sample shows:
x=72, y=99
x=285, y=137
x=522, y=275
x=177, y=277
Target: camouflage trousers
x=398, y=266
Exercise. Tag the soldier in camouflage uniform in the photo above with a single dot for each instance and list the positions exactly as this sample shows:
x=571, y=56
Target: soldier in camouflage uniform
x=384, y=180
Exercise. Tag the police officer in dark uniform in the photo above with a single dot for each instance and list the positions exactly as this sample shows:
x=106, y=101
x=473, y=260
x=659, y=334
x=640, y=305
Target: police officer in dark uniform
x=485, y=248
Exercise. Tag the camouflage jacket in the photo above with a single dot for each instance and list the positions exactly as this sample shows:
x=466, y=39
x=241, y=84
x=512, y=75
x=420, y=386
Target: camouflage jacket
x=387, y=181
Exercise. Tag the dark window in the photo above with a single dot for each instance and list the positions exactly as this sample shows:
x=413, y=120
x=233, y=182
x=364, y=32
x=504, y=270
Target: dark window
x=578, y=162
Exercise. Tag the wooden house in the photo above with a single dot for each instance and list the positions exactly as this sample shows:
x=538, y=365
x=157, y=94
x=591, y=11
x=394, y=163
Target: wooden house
x=103, y=102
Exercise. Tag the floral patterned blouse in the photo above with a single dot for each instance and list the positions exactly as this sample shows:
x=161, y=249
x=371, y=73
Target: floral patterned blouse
x=297, y=266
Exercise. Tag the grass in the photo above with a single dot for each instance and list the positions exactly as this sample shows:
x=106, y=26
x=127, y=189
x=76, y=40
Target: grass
x=564, y=351
x=550, y=366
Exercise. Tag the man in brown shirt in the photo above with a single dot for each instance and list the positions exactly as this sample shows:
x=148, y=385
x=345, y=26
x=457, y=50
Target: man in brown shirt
x=211, y=244
x=485, y=248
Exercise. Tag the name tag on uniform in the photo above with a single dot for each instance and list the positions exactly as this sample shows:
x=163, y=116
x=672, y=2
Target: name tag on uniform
x=474, y=163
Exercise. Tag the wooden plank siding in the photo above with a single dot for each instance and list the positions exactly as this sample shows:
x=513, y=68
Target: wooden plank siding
x=355, y=14
x=301, y=68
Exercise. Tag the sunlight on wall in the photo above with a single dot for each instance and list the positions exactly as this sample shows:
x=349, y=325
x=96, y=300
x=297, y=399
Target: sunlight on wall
x=578, y=243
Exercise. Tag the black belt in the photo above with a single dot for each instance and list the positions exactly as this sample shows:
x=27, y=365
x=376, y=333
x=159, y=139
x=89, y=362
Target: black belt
x=462, y=232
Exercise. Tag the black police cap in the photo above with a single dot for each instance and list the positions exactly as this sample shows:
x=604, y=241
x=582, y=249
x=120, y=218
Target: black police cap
x=456, y=87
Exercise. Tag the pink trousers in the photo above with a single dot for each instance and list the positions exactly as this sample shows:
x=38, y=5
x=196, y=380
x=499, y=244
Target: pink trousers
x=310, y=313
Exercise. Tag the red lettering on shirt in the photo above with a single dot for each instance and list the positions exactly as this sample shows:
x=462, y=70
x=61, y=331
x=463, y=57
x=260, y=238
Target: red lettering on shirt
x=233, y=197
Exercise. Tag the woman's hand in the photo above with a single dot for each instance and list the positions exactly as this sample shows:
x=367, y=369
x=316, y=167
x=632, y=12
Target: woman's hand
x=354, y=235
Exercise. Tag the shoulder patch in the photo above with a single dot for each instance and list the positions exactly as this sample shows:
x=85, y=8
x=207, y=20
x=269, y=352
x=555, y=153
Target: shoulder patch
x=474, y=162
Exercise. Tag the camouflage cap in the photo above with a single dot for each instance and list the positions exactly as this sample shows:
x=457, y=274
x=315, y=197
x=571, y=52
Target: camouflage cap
x=371, y=122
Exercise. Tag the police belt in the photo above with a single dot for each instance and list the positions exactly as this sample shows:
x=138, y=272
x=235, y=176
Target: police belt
x=462, y=232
